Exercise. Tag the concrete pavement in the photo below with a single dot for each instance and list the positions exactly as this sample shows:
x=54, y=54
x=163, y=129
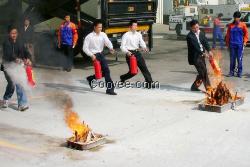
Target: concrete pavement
x=159, y=127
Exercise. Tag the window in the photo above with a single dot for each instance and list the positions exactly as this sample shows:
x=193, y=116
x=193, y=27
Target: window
x=211, y=11
x=204, y=11
x=192, y=10
x=179, y=11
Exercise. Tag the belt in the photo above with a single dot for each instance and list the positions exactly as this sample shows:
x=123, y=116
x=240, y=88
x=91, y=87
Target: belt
x=136, y=50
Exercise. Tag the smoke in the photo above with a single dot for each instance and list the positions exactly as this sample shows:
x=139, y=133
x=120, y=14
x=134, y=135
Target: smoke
x=17, y=74
x=71, y=118
x=68, y=109
x=67, y=103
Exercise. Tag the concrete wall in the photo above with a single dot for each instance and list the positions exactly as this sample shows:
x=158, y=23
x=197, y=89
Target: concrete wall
x=167, y=7
x=54, y=23
x=212, y=2
x=167, y=10
x=160, y=11
x=91, y=8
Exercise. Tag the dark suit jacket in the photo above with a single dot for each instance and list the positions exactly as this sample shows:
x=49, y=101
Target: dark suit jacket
x=194, y=50
x=27, y=36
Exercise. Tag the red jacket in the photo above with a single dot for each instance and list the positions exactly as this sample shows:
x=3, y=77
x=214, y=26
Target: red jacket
x=67, y=34
x=217, y=22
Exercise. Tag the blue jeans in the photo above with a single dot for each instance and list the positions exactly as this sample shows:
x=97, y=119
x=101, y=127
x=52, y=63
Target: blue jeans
x=236, y=53
x=217, y=34
x=10, y=89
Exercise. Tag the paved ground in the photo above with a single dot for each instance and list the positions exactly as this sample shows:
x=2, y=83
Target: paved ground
x=145, y=127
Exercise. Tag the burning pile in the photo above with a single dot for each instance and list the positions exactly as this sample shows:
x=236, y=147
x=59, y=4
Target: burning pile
x=220, y=95
x=81, y=131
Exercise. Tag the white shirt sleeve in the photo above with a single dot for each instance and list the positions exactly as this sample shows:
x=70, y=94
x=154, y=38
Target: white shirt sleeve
x=86, y=46
x=142, y=43
x=108, y=43
x=123, y=44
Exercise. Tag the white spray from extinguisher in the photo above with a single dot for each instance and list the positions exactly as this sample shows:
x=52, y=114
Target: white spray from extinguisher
x=17, y=73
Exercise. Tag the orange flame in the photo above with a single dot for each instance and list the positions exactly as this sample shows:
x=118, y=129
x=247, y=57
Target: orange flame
x=215, y=63
x=219, y=95
x=220, y=92
x=79, y=129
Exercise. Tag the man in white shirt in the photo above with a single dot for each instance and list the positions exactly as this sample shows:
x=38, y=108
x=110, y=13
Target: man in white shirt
x=131, y=43
x=93, y=47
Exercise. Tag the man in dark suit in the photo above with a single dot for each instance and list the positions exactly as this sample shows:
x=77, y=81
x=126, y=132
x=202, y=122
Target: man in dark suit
x=27, y=32
x=197, y=45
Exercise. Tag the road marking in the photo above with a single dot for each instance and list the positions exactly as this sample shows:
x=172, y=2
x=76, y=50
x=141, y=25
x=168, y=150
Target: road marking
x=16, y=147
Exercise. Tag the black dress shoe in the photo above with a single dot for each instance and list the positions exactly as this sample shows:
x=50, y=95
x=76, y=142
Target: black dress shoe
x=68, y=70
x=90, y=79
x=122, y=80
x=193, y=88
x=111, y=93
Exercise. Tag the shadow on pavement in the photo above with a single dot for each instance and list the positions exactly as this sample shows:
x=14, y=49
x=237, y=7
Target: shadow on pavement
x=70, y=88
x=185, y=72
x=176, y=88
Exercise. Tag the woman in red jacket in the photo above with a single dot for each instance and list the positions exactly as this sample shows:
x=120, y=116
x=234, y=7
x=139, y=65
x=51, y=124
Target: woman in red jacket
x=67, y=39
x=236, y=39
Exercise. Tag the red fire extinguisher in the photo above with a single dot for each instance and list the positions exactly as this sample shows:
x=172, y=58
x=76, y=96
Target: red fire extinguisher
x=215, y=66
x=98, y=69
x=133, y=65
x=30, y=76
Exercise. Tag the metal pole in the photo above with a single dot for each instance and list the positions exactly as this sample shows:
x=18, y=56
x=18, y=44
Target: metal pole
x=78, y=10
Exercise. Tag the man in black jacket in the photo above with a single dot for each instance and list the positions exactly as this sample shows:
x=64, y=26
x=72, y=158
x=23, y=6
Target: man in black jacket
x=14, y=55
x=197, y=45
x=27, y=32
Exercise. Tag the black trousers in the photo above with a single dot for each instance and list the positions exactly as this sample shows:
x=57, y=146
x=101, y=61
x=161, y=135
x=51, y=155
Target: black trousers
x=202, y=76
x=142, y=66
x=105, y=72
x=69, y=56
